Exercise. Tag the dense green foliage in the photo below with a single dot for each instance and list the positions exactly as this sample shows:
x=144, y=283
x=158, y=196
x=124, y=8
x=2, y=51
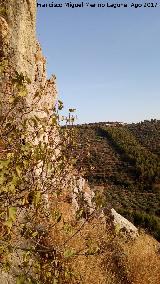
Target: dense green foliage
x=148, y=133
x=146, y=163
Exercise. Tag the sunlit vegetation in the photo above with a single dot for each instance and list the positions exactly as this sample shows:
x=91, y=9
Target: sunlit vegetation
x=146, y=163
x=148, y=133
x=116, y=161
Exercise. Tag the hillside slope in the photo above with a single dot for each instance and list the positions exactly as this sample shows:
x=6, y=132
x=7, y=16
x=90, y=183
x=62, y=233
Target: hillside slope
x=148, y=133
x=127, y=171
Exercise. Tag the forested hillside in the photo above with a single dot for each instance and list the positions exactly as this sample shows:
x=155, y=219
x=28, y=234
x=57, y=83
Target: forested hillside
x=123, y=161
x=148, y=133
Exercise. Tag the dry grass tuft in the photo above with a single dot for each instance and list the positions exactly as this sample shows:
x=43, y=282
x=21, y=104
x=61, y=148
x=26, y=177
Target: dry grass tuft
x=115, y=260
x=143, y=262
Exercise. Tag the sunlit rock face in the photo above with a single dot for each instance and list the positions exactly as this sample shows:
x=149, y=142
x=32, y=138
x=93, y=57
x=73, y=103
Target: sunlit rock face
x=123, y=225
x=46, y=88
x=18, y=41
x=82, y=195
x=4, y=31
x=19, y=44
x=21, y=20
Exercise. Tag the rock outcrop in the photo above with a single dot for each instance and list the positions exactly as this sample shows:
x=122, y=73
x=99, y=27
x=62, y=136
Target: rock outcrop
x=121, y=224
x=20, y=23
x=19, y=44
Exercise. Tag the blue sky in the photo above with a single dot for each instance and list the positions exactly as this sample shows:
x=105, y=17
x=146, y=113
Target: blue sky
x=107, y=61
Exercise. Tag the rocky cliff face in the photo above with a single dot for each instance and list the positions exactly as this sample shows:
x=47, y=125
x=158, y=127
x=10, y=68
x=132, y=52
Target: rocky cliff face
x=19, y=45
x=20, y=21
x=18, y=40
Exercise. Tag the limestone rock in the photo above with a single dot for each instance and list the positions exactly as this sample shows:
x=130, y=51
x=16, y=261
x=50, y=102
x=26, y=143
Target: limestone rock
x=20, y=17
x=4, y=30
x=82, y=195
x=122, y=224
x=24, y=55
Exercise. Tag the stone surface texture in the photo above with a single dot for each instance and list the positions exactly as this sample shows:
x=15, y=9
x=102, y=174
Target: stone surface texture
x=122, y=224
x=20, y=18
